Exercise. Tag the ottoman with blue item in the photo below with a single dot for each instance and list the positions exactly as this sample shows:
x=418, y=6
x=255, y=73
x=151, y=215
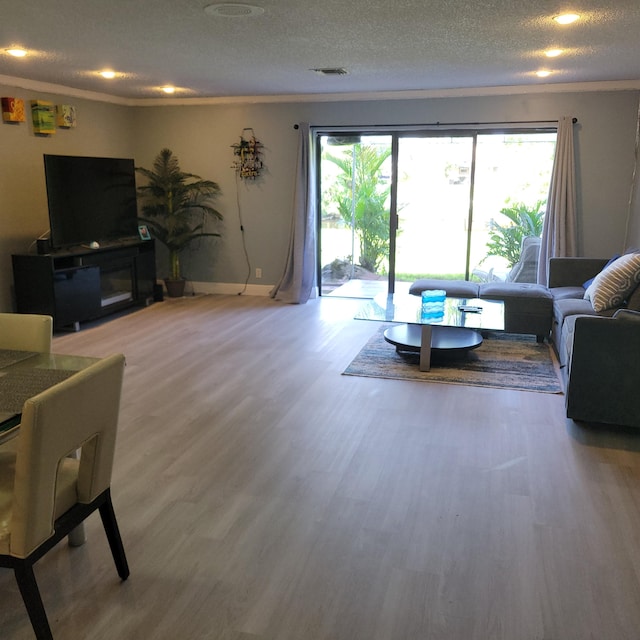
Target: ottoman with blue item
x=528, y=308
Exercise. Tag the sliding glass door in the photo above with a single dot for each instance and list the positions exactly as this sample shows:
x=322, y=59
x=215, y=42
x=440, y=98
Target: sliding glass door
x=416, y=204
x=434, y=194
x=355, y=214
x=512, y=176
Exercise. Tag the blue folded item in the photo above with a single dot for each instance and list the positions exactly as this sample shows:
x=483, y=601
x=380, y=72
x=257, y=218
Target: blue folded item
x=434, y=295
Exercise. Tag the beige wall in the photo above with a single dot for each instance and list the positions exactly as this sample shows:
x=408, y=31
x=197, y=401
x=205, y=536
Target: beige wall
x=201, y=136
x=102, y=130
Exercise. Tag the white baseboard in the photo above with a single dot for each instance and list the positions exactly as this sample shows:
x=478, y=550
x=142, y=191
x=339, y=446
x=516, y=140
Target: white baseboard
x=230, y=288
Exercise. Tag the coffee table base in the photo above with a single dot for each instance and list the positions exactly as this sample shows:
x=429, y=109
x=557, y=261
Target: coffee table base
x=424, y=338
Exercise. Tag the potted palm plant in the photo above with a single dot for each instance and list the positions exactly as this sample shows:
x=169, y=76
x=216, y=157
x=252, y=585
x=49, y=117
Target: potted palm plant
x=175, y=206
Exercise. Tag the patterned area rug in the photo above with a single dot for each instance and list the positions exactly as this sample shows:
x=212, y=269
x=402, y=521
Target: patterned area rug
x=503, y=361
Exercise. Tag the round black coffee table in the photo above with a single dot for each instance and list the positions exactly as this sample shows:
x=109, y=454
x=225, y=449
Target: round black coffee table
x=408, y=337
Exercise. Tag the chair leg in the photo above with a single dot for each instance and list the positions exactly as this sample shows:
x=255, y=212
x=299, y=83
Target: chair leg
x=32, y=601
x=77, y=537
x=113, y=536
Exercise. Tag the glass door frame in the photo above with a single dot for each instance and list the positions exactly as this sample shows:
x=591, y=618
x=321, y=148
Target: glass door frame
x=472, y=130
x=395, y=219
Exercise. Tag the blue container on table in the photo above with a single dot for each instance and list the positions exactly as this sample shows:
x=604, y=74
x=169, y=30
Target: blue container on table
x=432, y=304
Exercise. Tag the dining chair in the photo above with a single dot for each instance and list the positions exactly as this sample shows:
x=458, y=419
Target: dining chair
x=32, y=332
x=44, y=494
x=26, y=332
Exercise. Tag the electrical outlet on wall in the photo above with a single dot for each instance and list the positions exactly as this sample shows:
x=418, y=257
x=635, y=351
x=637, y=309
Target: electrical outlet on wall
x=258, y=272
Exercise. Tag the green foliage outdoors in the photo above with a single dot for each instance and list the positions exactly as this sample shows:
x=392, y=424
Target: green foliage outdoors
x=175, y=205
x=370, y=199
x=412, y=277
x=505, y=240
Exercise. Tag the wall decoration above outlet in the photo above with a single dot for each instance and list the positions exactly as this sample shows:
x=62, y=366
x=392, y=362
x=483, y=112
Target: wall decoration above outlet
x=248, y=152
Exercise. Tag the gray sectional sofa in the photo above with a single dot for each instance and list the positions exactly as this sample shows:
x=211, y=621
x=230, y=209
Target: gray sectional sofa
x=598, y=351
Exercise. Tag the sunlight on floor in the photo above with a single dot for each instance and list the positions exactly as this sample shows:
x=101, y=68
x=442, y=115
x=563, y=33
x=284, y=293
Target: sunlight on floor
x=366, y=288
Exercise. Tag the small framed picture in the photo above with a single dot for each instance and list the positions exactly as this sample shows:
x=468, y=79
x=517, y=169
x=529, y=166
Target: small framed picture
x=144, y=232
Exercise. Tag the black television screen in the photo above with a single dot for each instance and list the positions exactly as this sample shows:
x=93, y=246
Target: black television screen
x=90, y=199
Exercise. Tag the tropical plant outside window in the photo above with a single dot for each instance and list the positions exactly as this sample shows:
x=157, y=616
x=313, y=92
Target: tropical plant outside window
x=360, y=193
x=505, y=240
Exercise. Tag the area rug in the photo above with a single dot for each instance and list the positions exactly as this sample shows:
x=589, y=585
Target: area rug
x=503, y=361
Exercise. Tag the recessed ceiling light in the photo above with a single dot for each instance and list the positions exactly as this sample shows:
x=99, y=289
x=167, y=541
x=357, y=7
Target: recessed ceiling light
x=16, y=52
x=543, y=73
x=567, y=18
x=169, y=89
x=233, y=10
x=553, y=53
x=108, y=74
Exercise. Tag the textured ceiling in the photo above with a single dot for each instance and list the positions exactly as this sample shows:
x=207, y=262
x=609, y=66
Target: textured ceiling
x=411, y=45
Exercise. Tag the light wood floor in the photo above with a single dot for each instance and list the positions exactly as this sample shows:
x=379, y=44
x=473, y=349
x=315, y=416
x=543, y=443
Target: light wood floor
x=263, y=496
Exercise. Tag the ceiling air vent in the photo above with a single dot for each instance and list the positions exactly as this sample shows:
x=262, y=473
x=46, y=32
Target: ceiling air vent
x=233, y=10
x=331, y=71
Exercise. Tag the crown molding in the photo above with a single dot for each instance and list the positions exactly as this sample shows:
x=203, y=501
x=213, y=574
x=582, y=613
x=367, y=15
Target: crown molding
x=47, y=87
x=422, y=94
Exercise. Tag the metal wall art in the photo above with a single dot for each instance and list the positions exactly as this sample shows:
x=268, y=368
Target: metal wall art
x=248, y=152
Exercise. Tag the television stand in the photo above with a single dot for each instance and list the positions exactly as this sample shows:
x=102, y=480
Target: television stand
x=81, y=284
x=116, y=298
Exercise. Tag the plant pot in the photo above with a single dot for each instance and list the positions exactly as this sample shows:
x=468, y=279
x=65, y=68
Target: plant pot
x=175, y=288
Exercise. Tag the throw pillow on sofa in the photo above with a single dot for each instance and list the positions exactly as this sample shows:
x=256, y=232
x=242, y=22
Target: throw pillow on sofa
x=614, y=283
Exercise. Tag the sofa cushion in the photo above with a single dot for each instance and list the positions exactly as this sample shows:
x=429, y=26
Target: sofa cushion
x=504, y=290
x=454, y=288
x=613, y=284
x=570, y=307
x=563, y=293
x=633, y=300
x=527, y=307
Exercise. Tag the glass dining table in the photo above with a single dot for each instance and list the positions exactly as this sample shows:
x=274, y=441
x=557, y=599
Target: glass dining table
x=24, y=374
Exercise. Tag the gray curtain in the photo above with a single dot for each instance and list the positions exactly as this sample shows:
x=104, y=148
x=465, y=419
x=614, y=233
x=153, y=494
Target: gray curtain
x=632, y=234
x=559, y=233
x=298, y=282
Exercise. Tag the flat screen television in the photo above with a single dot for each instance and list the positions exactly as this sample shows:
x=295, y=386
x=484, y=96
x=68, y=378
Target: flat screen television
x=90, y=200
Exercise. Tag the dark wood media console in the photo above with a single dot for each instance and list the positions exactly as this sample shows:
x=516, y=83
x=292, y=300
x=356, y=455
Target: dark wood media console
x=83, y=284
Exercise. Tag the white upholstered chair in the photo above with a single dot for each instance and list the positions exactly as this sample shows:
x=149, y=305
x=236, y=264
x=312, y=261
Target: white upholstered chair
x=26, y=332
x=32, y=332
x=43, y=493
